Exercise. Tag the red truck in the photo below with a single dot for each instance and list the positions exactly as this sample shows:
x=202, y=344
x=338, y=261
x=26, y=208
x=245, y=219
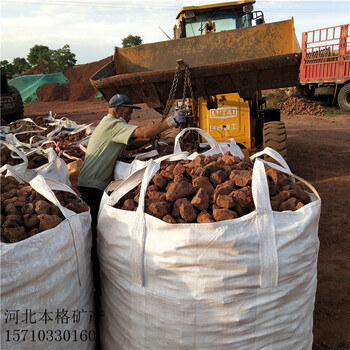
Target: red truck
x=325, y=64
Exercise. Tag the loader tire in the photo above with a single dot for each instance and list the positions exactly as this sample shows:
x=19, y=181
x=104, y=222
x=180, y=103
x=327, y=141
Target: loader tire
x=344, y=98
x=275, y=137
x=170, y=134
x=16, y=109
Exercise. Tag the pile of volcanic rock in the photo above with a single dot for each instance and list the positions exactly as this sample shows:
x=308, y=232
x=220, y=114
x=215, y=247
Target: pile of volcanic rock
x=63, y=142
x=24, y=212
x=34, y=160
x=210, y=189
x=300, y=106
x=165, y=149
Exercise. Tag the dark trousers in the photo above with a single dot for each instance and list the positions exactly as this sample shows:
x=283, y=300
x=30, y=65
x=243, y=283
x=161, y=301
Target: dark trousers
x=92, y=196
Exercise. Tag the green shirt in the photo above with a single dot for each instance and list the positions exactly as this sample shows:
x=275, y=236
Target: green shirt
x=106, y=145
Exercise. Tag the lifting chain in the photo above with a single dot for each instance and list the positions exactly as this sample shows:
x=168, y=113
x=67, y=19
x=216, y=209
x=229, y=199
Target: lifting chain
x=187, y=82
x=172, y=93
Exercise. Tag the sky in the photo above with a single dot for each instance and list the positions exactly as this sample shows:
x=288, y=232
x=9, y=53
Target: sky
x=92, y=28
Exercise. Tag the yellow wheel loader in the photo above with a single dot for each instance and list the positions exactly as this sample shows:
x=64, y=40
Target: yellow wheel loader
x=224, y=55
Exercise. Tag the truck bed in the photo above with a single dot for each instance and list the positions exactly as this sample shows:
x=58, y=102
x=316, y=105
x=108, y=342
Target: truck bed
x=326, y=55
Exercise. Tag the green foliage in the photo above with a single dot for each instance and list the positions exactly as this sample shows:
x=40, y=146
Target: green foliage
x=330, y=111
x=8, y=68
x=131, y=40
x=64, y=58
x=39, y=53
x=20, y=65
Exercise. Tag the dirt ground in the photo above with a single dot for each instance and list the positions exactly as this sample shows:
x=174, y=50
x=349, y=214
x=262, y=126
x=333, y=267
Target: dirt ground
x=319, y=152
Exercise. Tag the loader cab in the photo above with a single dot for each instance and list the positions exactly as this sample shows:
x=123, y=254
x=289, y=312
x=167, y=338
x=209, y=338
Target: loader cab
x=201, y=20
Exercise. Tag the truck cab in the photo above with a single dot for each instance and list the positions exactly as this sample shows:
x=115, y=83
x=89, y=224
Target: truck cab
x=200, y=20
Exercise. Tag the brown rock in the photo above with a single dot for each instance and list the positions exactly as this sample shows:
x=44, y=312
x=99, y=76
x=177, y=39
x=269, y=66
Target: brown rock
x=13, y=235
x=200, y=160
x=11, y=208
x=289, y=204
x=229, y=159
x=225, y=201
x=156, y=195
x=129, y=204
x=42, y=207
x=224, y=188
x=167, y=174
x=187, y=212
x=277, y=177
x=179, y=169
x=169, y=219
x=179, y=178
x=212, y=167
x=30, y=220
x=241, y=178
x=198, y=171
x=78, y=207
x=180, y=221
x=243, y=199
x=157, y=207
x=201, y=200
x=204, y=217
x=25, y=191
x=279, y=198
x=203, y=182
x=296, y=190
x=13, y=220
x=221, y=214
x=170, y=168
x=299, y=205
x=176, y=207
x=48, y=221
x=178, y=190
x=55, y=210
x=159, y=180
x=219, y=177
x=33, y=232
x=28, y=209
x=244, y=164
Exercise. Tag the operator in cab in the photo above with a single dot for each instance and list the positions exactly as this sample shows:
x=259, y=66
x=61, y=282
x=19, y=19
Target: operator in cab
x=106, y=146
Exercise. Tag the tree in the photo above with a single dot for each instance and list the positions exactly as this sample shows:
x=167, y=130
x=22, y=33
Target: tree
x=39, y=53
x=8, y=68
x=20, y=65
x=131, y=40
x=64, y=58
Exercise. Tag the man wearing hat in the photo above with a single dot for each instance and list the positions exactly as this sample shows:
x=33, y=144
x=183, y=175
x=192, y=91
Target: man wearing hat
x=107, y=145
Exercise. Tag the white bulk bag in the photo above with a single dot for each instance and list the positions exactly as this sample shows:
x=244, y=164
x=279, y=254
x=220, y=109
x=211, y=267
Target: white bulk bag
x=247, y=283
x=46, y=283
x=215, y=147
x=122, y=169
x=55, y=169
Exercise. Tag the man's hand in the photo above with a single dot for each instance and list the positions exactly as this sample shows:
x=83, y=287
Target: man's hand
x=178, y=118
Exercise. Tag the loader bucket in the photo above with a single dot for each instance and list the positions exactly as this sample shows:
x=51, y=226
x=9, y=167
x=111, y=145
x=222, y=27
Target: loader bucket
x=241, y=60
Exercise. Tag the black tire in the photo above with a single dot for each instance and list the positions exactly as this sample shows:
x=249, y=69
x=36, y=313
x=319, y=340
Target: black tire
x=275, y=137
x=17, y=111
x=272, y=115
x=344, y=98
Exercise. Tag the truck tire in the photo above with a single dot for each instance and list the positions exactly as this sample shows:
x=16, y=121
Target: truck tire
x=344, y=98
x=275, y=137
x=17, y=109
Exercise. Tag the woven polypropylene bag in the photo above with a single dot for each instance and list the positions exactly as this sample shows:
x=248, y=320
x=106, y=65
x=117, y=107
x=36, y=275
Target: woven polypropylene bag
x=46, y=283
x=247, y=283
